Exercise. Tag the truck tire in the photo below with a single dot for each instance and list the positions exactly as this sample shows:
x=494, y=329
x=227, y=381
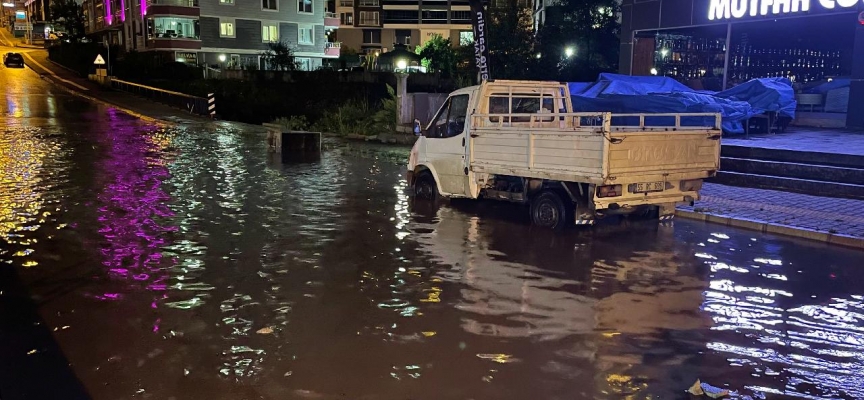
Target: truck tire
x=548, y=210
x=425, y=187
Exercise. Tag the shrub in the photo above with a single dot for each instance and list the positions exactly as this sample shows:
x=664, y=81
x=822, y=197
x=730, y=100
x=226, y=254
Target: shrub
x=293, y=123
x=385, y=118
x=353, y=117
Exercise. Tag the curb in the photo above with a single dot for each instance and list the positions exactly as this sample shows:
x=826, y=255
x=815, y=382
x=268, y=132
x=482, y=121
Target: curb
x=785, y=230
x=64, y=67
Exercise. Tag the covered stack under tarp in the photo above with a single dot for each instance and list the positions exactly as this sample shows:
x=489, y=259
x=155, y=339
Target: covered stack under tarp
x=653, y=94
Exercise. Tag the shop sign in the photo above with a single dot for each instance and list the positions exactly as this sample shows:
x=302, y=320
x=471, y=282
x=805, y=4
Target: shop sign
x=186, y=56
x=736, y=9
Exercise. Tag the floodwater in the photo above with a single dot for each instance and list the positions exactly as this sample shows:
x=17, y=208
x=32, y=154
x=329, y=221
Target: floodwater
x=171, y=263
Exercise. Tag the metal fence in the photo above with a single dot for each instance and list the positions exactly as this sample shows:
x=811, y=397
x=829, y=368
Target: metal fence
x=192, y=104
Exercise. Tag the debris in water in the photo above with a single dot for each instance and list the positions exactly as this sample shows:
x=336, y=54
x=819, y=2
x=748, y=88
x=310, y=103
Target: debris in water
x=699, y=389
x=265, y=331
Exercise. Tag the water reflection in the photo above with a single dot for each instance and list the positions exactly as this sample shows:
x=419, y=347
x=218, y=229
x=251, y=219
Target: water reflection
x=775, y=324
x=24, y=181
x=233, y=275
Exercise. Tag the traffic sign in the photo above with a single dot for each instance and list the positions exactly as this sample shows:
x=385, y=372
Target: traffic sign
x=99, y=60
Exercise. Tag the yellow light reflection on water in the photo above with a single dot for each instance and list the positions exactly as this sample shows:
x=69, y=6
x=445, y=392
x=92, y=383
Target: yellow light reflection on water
x=21, y=160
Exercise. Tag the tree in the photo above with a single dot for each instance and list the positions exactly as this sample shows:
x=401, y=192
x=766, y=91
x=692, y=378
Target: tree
x=279, y=56
x=438, y=55
x=511, y=40
x=348, y=57
x=590, y=29
x=70, y=15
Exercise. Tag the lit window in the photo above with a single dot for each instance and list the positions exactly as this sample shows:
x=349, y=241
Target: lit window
x=226, y=29
x=270, y=33
x=231, y=2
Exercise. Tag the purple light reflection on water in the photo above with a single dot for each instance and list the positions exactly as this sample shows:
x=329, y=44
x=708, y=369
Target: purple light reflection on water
x=132, y=210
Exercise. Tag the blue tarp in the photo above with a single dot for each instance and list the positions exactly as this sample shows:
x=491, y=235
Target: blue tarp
x=653, y=94
x=765, y=95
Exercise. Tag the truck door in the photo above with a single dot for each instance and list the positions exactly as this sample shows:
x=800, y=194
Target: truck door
x=445, y=145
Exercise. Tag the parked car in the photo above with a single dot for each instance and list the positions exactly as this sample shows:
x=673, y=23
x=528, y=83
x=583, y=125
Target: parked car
x=13, y=60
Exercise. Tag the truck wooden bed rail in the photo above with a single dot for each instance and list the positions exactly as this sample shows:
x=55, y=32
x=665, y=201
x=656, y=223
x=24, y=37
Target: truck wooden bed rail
x=595, y=122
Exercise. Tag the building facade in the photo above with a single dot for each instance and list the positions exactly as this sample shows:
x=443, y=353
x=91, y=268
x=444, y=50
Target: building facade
x=375, y=26
x=216, y=33
x=723, y=42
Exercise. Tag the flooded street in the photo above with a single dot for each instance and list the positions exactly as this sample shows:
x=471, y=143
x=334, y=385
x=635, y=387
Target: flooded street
x=173, y=263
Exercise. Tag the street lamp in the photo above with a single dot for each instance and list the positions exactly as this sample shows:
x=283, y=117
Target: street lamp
x=653, y=71
x=401, y=64
x=569, y=51
x=221, y=62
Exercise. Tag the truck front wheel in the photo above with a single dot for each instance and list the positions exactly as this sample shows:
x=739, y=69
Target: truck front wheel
x=425, y=187
x=548, y=210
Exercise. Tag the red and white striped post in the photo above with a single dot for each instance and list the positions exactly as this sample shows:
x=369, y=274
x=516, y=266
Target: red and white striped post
x=211, y=104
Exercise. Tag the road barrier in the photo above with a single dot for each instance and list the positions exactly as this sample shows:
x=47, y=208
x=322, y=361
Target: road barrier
x=192, y=104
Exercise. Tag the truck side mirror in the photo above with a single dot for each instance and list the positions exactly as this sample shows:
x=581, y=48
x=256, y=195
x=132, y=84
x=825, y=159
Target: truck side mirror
x=418, y=130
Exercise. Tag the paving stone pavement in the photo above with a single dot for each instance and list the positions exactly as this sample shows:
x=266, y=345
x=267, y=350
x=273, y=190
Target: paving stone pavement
x=833, y=141
x=801, y=211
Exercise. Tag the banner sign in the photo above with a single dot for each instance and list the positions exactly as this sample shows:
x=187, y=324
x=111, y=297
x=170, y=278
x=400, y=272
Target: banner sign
x=481, y=32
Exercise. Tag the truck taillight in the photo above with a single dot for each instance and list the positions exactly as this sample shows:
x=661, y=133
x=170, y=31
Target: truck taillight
x=692, y=185
x=609, y=191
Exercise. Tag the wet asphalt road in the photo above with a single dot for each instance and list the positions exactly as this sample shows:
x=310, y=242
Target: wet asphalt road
x=162, y=263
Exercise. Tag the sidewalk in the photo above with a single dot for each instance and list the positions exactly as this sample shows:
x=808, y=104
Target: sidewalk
x=830, y=141
x=825, y=219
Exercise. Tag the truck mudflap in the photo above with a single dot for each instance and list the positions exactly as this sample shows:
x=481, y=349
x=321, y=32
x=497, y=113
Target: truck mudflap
x=583, y=221
x=409, y=176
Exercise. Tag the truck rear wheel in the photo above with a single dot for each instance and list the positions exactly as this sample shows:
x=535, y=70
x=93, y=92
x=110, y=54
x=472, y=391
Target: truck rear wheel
x=548, y=210
x=425, y=187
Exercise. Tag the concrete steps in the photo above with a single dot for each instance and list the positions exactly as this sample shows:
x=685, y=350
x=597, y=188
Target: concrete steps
x=819, y=174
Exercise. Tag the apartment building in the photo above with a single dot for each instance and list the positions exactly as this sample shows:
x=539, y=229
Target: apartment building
x=374, y=26
x=241, y=29
x=218, y=33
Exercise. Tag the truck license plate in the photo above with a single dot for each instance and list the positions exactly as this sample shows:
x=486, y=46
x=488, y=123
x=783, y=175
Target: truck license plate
x=646, y=187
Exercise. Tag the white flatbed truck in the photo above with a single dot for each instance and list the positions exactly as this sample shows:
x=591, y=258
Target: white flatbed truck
x=520, y=141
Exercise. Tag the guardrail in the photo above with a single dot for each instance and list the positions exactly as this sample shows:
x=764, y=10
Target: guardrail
x=192, y=104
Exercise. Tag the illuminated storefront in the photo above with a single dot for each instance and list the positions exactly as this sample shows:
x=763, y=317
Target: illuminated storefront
x=716, y=44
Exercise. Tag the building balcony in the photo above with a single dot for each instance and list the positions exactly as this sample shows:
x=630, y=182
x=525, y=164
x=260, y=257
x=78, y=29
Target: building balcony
x=331, y=20
x=332, y=49
x=174, y=3
x=173, y=7
x=169, y=43
x=346, y=3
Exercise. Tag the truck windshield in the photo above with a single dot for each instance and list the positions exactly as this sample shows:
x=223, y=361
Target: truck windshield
x=451, y=119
